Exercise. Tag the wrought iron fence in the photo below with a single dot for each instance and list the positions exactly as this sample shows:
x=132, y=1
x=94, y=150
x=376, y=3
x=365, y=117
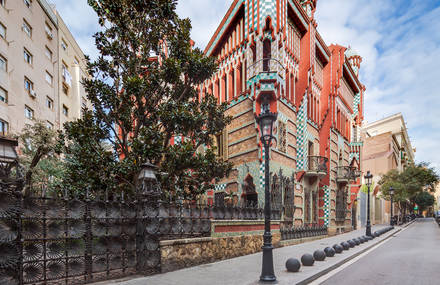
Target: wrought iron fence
x=74, y=241
x=309, y=230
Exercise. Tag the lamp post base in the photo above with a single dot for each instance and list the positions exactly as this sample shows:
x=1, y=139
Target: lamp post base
x=368, y=231
x=267, y=273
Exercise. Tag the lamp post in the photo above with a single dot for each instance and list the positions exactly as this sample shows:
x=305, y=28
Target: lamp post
x=391, y=191
x=368, y=179
x=266, y=120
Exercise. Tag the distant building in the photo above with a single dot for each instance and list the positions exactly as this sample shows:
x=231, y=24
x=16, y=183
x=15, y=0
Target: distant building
x=41, y=66
x=386, y=146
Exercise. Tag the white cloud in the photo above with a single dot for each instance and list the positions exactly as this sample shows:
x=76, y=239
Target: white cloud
x=81, y=21
x=399, y=43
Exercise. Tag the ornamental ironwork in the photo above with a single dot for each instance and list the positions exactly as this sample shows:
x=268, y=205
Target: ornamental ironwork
x=341, y=204
x=318, y=164
x=74, y=240
x=304, y=231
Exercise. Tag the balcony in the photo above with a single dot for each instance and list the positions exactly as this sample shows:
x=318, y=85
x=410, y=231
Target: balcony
x=266, y=66
x=346, y=174
x=317, y=166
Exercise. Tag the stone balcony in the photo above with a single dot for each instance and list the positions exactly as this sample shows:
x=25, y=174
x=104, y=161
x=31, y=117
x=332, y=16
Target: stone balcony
x=317, y=167
x=345, y=174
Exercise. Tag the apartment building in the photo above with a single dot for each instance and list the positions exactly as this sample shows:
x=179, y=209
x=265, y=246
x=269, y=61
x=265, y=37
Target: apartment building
x=271, y=51
x=34, y=67
x=386, y=146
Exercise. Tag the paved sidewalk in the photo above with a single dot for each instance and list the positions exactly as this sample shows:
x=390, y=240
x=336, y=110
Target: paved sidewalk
x=246, y=269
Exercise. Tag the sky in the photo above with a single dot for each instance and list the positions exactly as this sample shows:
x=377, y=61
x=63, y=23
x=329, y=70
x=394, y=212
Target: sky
x=399, y=41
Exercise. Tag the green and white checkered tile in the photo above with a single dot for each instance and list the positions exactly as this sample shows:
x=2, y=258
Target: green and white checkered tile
x=356, y=102
x=268, y=8
x=326, y=205
x=302, y=135
x=262, y=174
x=220, y=187
x=178, y=139
x=354, y=155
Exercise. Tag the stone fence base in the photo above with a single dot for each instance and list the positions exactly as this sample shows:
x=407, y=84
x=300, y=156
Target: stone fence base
x=177, y=254
x=228, y=239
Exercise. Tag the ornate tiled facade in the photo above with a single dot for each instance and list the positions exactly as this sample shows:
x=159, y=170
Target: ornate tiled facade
x=271, y=48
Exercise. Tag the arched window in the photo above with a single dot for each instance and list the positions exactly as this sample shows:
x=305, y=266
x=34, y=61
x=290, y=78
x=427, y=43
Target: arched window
x=267, y=54
x=249, y=195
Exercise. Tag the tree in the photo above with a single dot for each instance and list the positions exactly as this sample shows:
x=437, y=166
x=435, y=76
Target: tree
x=424, y=200
x=142, y=89
x=38, y=155
x=407, y=184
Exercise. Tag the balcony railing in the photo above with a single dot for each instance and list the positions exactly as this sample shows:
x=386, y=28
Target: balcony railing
x=265, y=65
x=347, y=173
x=318, y=165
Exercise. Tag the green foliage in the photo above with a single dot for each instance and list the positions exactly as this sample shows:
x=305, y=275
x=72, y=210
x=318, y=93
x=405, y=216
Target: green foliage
x=142, y=91
x=364, y=188
x=424, y=200
x=38, y=155
x=407, y=184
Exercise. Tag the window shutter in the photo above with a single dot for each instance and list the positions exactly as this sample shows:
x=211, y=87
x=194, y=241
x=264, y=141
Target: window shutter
x=225, y=143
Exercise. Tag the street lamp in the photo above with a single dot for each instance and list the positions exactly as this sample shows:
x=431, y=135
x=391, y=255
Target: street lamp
x=266, y=120
x=368, y=179
x=391, y=191
x=147, y=180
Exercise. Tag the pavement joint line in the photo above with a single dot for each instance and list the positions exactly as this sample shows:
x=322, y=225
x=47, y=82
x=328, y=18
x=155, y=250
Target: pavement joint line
x=312, y=278
x=356, y=257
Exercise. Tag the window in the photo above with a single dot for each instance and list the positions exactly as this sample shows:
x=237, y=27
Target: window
x=2, y=31
x=49, y=125
x=341, y=202
x=3, y=95
x=65, y=89
x=282, y=137
x=221, y=142
x=3, y=63
x=29, y=86
x=64, y=45
x=65, y=111
x=48, y=53
x=75, y=60
x=27, y=28
x=4, y=127
x=28, y=3
x=49, y=103
x=48, y=31
x=2, y=3
x=27, y=56
x=28, y=112
x=49, y=78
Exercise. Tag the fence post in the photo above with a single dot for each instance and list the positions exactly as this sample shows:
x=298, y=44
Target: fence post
x=88, y=239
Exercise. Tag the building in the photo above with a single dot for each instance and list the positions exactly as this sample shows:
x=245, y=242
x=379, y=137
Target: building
x=386, y=146
x=270, y=50
x=39, y=59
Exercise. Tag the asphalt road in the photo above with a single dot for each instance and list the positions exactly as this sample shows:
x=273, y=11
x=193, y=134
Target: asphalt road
x=411, y=257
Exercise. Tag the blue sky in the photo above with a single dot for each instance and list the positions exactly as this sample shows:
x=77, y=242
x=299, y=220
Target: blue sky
x=399, y=41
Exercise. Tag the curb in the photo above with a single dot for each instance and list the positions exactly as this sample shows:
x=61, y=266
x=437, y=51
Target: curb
x=333, y=267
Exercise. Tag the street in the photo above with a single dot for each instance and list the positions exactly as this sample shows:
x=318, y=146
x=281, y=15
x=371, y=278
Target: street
x=410, y=257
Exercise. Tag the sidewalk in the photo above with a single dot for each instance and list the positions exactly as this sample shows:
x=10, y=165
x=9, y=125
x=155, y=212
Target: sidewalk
x=246, y=269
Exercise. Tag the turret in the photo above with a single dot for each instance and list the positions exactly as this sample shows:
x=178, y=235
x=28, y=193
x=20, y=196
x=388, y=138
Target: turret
x=309, y=6
x=354, y=58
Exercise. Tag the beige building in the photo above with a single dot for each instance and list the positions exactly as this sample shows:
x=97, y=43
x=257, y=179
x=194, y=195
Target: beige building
x=40, y=67
x=386, y=146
